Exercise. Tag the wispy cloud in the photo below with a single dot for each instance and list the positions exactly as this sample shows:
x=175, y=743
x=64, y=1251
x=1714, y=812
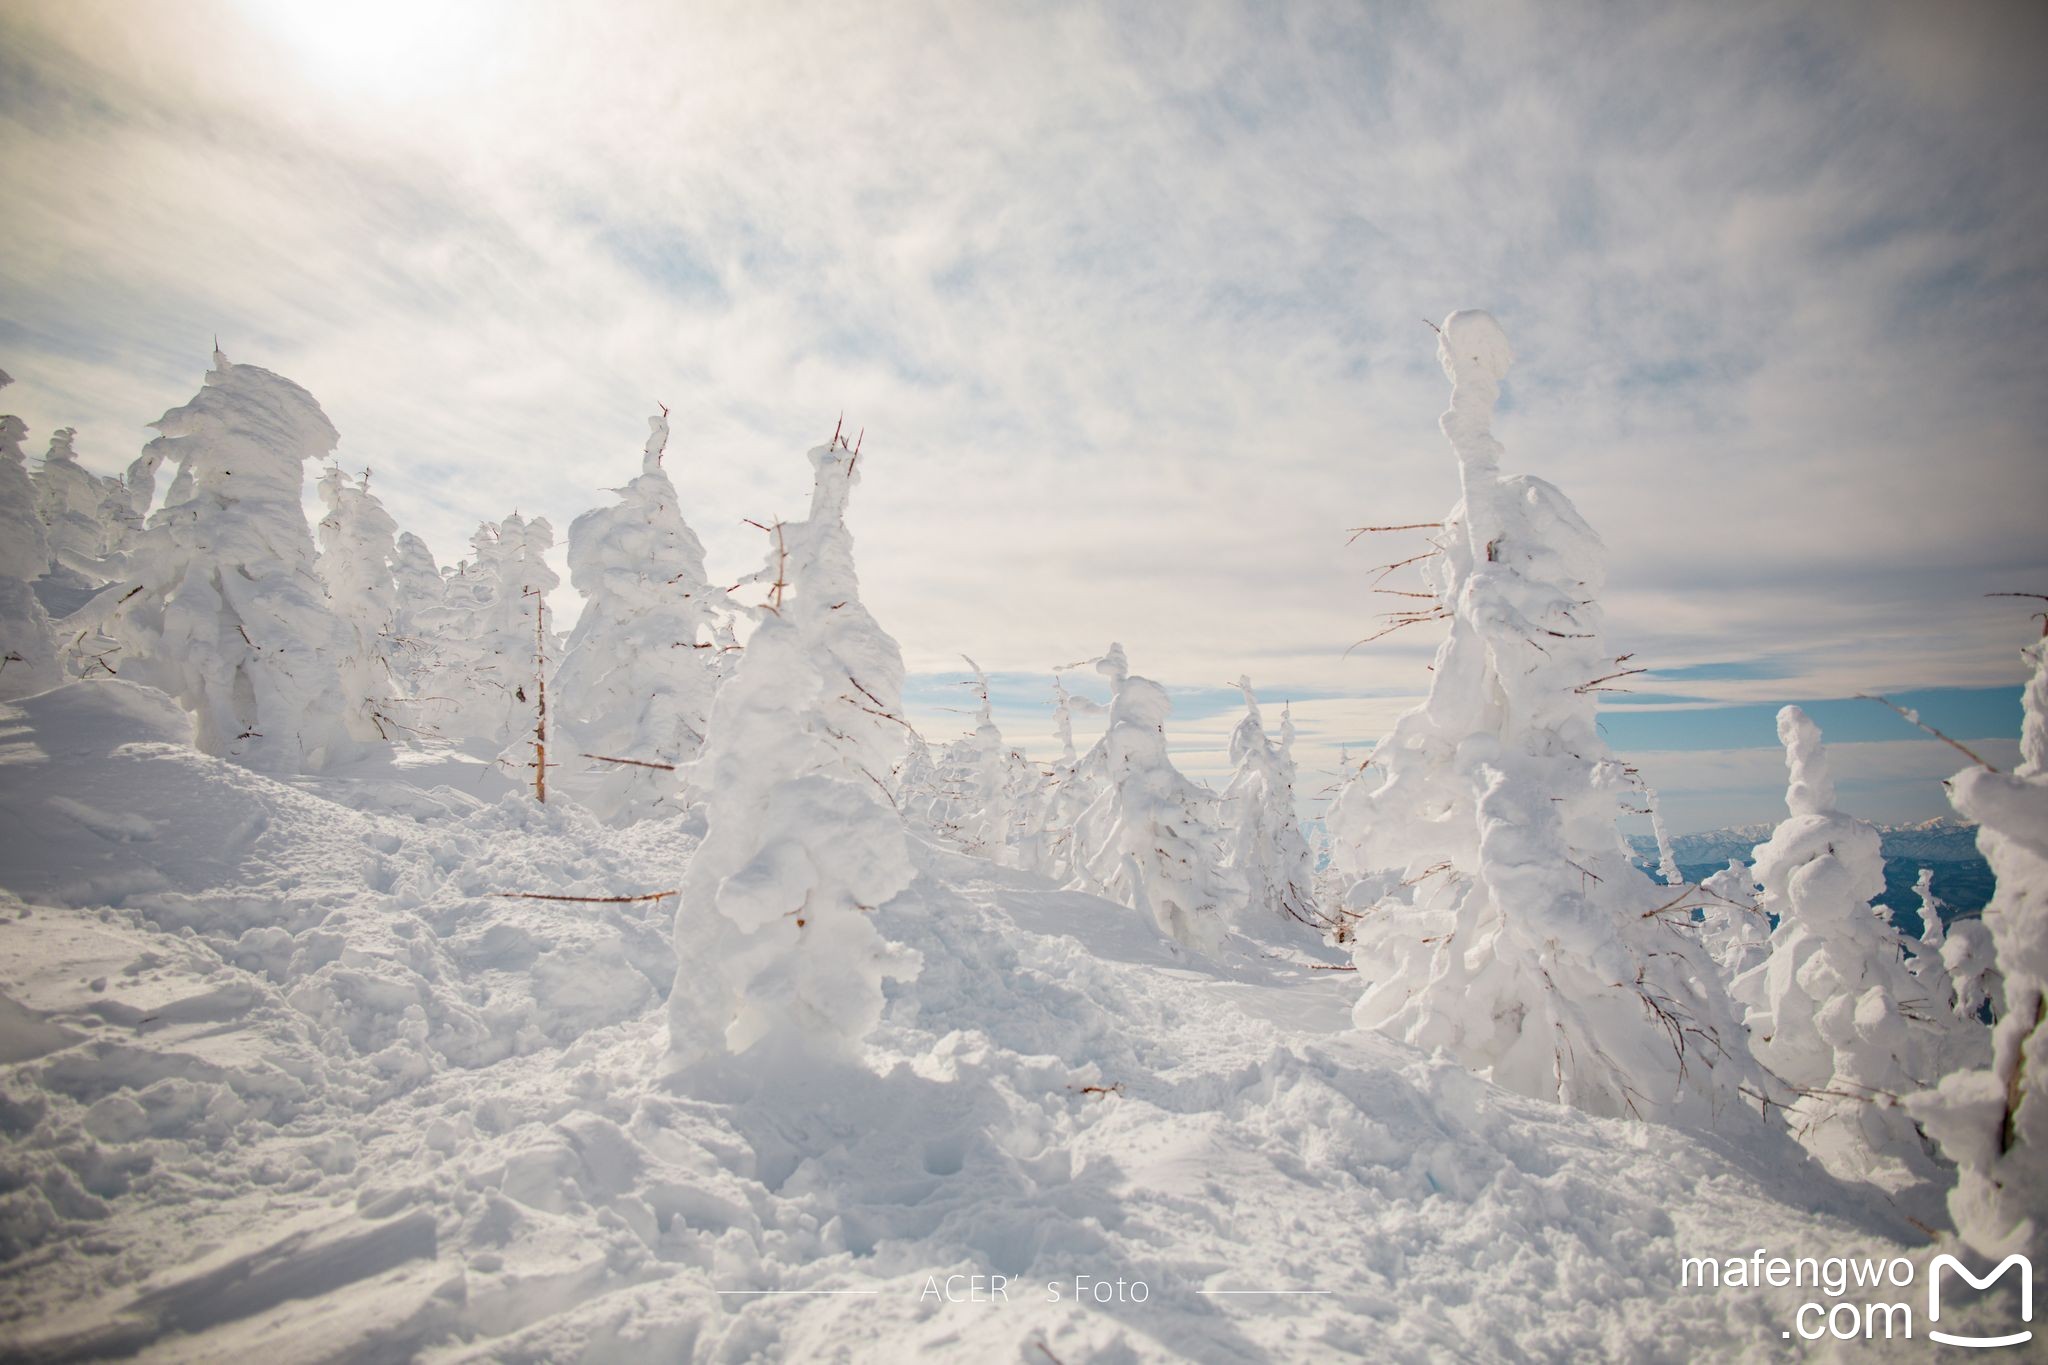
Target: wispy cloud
x=1129, y=301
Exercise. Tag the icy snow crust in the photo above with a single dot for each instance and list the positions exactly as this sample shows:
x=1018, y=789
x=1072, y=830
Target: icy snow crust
x=285, y=1076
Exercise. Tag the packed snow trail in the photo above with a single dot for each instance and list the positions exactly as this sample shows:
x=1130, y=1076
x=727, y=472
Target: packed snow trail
x=286, y=1073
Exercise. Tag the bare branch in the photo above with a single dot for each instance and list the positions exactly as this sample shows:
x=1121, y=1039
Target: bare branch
x=1357, y=531
x=1912, y=718
x=1594, y=684
x=635, y=762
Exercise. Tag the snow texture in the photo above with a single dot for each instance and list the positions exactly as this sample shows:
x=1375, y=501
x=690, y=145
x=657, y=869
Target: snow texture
x=292, y=1080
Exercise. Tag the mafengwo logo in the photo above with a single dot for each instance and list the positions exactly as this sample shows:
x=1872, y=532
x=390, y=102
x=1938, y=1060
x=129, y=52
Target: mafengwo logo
x=2014, y=1261
x=1854, y=1305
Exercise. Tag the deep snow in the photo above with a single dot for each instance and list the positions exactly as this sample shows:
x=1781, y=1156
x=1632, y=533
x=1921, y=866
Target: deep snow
x=284, y=1074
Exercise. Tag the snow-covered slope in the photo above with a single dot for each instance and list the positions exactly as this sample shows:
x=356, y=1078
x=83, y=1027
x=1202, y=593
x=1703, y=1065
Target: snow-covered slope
x=290, y=1076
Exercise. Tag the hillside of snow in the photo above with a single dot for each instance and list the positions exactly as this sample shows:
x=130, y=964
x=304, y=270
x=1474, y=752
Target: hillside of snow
x=287, y=1072
x=385, y=975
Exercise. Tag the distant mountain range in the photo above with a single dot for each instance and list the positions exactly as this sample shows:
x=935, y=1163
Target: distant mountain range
x=1962, y=879
x=1933, y=841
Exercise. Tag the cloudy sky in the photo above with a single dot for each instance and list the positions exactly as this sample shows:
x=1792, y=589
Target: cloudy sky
x=1129, y=301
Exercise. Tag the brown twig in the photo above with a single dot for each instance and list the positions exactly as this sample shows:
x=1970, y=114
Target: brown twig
x=1426, y=874
x=540, y=692
x=2041, y=616
x=635, y=762
x=1357, y=531
x=1405, y=619
x=1594, y=684
x=1386, y=569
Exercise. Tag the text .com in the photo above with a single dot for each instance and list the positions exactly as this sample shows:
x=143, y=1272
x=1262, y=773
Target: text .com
x=1868, y=1299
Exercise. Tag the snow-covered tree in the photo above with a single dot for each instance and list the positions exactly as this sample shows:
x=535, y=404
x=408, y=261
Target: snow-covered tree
x=28, y=648
x=725, y=655
x=1262, y=828
x=224, y=610
x=73, y=502
x=415, y=576
x=1735, y=932
x=357, y=549
x=811, y=581
x=522, y=643
x=1932, y=922
x=1149, y=839
x=1667, y=860
x=444, y=631
x=915, y=784
x=1970, y=956
x=1025, y=788
x=1993, y=1123
x=1965, y=1041
x=637, y=679
x=1925, y=963
x=1501, y=914
x=1067, y=792
x=421, y=593
x=1832, y=1009
x=140, y=482
x=479, y=680
x=976, y=782
x=1063, y=720
x=1329, y=885
x=773, y=933
x=776, y=946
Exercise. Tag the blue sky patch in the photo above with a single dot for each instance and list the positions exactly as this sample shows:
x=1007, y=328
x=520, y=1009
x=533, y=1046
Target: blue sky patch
x=1963, y=713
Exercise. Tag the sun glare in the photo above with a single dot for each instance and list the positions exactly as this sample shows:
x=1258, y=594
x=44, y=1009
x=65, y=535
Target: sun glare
x=391, y=48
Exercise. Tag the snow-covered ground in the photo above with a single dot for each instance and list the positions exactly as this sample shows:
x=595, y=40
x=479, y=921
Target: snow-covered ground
x=288, y=1074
